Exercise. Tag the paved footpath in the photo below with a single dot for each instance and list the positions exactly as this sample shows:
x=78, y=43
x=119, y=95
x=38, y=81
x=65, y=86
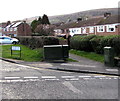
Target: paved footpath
x=83, y=65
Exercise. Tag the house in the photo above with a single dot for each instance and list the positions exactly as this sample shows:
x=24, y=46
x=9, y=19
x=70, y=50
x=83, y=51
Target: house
x=2, y=25
x=0, y=29
x=17, y=29
x=107, y=25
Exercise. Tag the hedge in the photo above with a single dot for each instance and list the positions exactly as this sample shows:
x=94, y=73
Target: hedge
x=82, y=43
x=96, y=45
x=38, y=41
x=93, y=43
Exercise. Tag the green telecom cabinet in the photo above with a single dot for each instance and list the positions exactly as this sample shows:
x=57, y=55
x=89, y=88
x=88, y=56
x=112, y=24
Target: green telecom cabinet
x=109, y=56
x=56, y=52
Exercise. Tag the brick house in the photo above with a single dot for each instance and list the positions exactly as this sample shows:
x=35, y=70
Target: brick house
x=2, y=25
x=17, y=29
x=107, y=25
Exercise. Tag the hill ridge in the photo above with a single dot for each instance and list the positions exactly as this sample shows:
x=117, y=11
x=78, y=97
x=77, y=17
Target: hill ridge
x=73, y=16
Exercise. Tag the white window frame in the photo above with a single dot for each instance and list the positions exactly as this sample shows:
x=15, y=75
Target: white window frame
x=15, y=29
x=100, y=28
x=110, y=27
x=4, y=29
x=83, y=30
x=11, y=29
x=91, y=30
x=8, y=29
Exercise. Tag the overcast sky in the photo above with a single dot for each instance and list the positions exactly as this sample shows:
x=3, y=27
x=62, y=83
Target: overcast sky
x=20, y=9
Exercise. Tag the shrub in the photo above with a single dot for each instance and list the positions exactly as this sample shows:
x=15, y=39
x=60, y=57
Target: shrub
x=95, y=43
x=38, y=41
x=74, y=42
x=82, y=43
x=62, y=41
x=115, y=43
x=107, y=41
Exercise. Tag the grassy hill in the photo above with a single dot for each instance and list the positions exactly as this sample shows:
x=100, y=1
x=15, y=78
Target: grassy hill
x=84, y=14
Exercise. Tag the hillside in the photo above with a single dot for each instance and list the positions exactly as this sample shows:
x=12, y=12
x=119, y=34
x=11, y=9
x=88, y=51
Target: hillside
x=84, y=14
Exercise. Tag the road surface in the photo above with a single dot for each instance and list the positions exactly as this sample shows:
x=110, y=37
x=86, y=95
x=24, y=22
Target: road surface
x=24, y=82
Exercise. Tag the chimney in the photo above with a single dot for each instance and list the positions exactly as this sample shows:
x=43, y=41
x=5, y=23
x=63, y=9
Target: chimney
x=106, y=15
x=79, y=19
x=24, y=21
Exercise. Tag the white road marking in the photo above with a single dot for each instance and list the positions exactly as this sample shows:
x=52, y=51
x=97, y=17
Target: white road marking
x=30, y=77
x=71, y=87
x=48, y=77
x=116, y=70
x=115, y=78
x=107, y=78
x=12, y=77
x=67, y=76
x=20, y=80
x=22, y=65
x=73, y=79
x=77, y=65
x=10, y=69
x=84, y=76
x=51, y=79
x=99, y=76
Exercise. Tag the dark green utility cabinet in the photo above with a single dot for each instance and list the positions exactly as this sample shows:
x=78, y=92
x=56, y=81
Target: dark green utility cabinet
x=56, y=52
x=109, y=56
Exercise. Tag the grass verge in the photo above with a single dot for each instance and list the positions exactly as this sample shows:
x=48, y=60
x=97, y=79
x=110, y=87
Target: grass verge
x=89, y=55
x=26, y=53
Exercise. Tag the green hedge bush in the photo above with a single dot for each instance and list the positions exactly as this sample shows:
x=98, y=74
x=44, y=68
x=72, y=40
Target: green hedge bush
x=108, y=41
x=93, y=43
x=96, y=45
x=38, y=41
x=115, y=43
x=82, y=43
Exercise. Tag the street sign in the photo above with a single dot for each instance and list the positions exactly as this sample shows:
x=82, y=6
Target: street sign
x=14, y=50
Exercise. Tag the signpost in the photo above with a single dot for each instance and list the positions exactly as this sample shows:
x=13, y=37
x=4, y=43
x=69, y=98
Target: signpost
x=16, y=48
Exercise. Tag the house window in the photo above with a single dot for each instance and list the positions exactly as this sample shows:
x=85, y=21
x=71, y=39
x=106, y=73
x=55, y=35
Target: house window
x=7, y=29
x=111, y=28
x=100, y=28
x=84, y=30
x=91, y=30
x=15, y=29
x=11, y=29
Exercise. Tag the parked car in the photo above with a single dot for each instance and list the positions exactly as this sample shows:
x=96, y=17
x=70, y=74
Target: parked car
x=8, y=40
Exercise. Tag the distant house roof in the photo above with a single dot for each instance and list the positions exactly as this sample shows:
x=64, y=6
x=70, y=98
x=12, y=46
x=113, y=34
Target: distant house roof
x=91, y=22
x=110, y=20
x=10, y=25
x=15, y=24
x=3, y=25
